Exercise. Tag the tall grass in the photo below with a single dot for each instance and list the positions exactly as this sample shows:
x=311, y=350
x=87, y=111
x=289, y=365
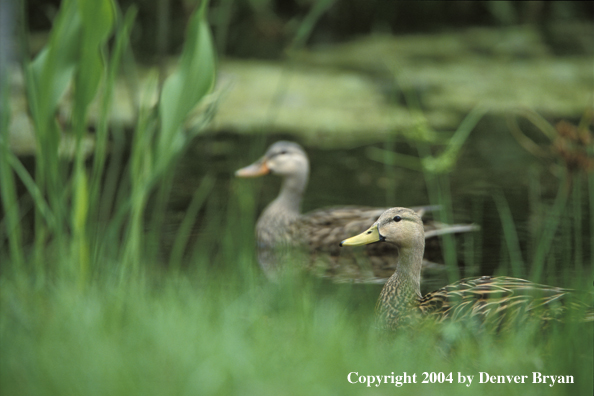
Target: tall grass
x=88, y=306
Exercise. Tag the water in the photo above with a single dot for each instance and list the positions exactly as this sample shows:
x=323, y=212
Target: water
x=491, y=162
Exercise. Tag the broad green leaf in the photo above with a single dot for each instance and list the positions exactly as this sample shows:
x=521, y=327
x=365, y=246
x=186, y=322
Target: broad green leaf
x=193, y=79
x=88, y=77
x=79, y=30
x=97, y=20
x=53, y=68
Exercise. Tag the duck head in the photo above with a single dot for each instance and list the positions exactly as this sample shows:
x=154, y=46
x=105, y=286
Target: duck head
x=402, y=227
x=282, y=158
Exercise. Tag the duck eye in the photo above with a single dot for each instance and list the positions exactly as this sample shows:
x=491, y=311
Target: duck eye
x=283, y=152
x=397, y=218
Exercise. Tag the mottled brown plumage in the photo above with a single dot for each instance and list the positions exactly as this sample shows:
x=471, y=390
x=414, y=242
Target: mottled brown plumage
x=496, y=301
x=282, y=231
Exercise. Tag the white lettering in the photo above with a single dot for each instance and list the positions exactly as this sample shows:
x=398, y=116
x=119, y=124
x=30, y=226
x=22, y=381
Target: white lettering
x=568, y=379
x=349, y=377
x=552, y=380
x=483, y=377
x=536, y=377
x=462, y=378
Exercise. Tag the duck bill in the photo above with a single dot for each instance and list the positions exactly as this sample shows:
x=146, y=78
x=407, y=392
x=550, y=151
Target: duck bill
x=365, y=238
x=254, y=170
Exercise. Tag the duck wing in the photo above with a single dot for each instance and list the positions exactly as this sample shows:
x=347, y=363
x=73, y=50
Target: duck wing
x=500, y=301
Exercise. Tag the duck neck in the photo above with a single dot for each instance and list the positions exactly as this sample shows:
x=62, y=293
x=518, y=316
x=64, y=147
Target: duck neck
x=408, y=272
x=402, y=291
x=291, y=194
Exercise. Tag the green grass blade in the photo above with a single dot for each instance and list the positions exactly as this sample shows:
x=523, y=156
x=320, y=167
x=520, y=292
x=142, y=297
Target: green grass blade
x=184, y=231
x=510, y=234
x=122, y=38
x=554, y=217
x=11, y=229
x=33, y=189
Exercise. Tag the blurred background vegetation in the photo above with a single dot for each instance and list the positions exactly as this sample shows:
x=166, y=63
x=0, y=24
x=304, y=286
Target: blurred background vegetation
x=126, y=245
x=264, y=28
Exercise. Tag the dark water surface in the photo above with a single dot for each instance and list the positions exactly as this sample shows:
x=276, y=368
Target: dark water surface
x=491, y=162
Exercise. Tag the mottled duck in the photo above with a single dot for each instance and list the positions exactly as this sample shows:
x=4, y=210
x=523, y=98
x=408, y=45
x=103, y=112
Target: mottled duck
x=282, y=229
x=495, y=300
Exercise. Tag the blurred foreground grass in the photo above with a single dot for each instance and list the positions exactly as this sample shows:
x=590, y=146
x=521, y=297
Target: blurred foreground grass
x=222, y=333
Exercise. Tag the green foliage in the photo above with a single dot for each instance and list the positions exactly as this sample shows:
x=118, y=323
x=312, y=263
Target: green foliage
x=11, y=229
x=76, y=61
x=54, y=67
x=182, y=90
x=422, y=134
x=510, y=234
